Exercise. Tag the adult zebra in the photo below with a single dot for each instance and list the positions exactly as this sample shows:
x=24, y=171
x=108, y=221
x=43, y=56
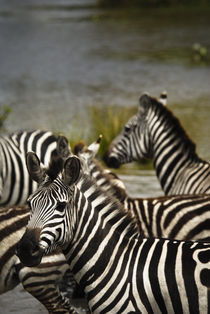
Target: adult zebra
x=155, y=133
x=183, y=217
x=42, y=281
x=120, y=271
x=15, y=183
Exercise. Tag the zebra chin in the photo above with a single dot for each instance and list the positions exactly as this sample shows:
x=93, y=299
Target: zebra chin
x=28, y=249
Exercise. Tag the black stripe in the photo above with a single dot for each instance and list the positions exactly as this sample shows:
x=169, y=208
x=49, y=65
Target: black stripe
x=140, y=286
x=188, y=270
x=153, y=276
x=170, y=264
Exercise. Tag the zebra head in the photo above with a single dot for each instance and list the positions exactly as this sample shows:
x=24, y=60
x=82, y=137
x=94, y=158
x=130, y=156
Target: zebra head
x=134, y=141
x=51, y=222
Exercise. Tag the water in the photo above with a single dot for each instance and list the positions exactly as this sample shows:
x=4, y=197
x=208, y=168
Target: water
x=60, y=57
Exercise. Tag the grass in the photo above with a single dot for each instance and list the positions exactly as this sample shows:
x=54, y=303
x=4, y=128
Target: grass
x=108, y=121
x=4, y=112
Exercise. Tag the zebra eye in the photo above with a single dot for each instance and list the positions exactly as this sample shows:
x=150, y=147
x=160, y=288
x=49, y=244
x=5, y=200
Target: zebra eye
x=61, y=206
x=29, y=204
x=127, y=128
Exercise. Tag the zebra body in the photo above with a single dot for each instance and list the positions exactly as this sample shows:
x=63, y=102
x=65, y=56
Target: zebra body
x=41, y=281
x=183, y=217
x=155, y=133
x=120, y=271
x=15, y=183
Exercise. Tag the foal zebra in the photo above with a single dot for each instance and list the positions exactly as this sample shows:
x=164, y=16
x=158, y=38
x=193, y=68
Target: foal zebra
x=155, y=133
x=183, y=217
x=120, y=271
x=41, y=282
x=15, y=183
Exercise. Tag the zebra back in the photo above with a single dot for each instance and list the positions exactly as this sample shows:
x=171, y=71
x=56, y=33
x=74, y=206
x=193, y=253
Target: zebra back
x=15, y=183
x=183, y=217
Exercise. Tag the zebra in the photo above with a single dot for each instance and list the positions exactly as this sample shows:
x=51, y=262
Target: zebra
x=42, y=282
x=105, y=178
x=15, y=183
x=183, y=217
x=120, y=271
x=154, y=132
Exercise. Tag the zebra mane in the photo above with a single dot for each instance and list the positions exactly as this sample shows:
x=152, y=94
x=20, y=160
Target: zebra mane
x=189, y=145
x=79, y=147
x=112, y=179
x=115, y=189
x=115, y=206
x=55, y=166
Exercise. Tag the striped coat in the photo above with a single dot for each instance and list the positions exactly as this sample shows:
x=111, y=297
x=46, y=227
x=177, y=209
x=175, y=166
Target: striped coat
x=15, y=183
x=183, y=217
x=154, y=132
x=41, y=281
x=120, y=271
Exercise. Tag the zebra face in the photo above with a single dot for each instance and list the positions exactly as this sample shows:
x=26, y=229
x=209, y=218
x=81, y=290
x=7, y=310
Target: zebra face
x=129, y=145
x=48, y=226
x=52, y=218
x=133, y=143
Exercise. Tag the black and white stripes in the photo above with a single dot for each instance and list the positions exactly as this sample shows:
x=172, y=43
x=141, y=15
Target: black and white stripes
x=183, y=217
x=41, y=282
x=15, y=183
x=120, y=271
x=155, y=133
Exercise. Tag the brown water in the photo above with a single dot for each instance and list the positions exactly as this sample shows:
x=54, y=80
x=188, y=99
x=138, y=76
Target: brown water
x=59, y=57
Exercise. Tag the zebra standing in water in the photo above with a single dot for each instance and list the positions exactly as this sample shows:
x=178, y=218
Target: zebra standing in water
x=183, y=217
x=155, y=133
x=15, y=183
x=120, y=271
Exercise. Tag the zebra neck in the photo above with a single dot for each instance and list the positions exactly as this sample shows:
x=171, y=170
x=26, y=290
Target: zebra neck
x=102, y=227
x=173, y=153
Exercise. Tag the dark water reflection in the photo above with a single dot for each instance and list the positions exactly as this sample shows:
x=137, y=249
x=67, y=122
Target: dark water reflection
x=59, y=57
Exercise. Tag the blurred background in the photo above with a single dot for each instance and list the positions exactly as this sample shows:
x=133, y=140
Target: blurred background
x=79, y=66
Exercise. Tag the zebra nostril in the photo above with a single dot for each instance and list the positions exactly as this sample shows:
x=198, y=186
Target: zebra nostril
x=113, y=162
x=35, y=252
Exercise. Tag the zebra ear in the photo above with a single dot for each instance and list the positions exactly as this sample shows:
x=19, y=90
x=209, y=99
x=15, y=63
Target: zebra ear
x=163, y=98
x=94, y=147
x=33, y=165
x=63, y=147
x=72, y=169
x=144, y=102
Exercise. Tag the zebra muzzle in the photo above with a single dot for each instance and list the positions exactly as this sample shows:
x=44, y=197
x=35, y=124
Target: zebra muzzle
x=28, y=249
x=111, y=161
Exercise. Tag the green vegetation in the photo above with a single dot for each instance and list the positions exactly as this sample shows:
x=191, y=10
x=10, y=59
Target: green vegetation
x=200, y=54
x=108, y=121
x=4, y=112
